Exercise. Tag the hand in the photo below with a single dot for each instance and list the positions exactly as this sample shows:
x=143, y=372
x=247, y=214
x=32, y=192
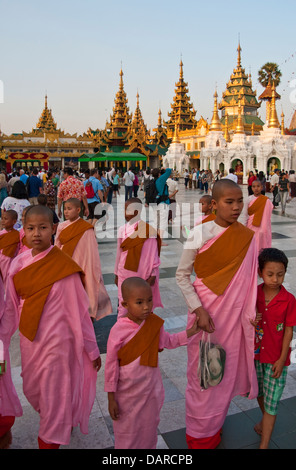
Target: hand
x=205, y=322
x=97, y=363
x=257, y=319
x=86, y=212
x=277, y=368
x=151, y=280
x=113, y=407
x=194, y=329
x=59, y=214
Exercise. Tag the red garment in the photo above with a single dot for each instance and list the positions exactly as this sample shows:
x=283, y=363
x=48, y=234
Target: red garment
x=251, y=179
x=6, y=423
x=205, y=442
x=71, y=187
x=278, y=314
x=44, y=445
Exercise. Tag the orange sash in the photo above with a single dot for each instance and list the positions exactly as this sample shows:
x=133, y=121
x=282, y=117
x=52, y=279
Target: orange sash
x=9, y=242
x=257, y=208
x=70, y=236
x=24, y=242
x=217, y=265
x=134, y=244
x=34, y=282
x=145, y=343
x=210, y=217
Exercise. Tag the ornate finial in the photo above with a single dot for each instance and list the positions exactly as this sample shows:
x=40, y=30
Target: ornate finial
x=176, y=134
x=240, y=126
x=181, y=69
x=239, y=49
x=215, y=123
x=283, y=123
x=273, y=121
x=226, y=133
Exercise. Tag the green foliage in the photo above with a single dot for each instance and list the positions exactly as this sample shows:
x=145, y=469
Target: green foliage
x=269, y=71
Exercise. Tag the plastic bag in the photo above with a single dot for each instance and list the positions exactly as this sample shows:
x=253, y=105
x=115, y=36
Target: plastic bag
x=211, y=363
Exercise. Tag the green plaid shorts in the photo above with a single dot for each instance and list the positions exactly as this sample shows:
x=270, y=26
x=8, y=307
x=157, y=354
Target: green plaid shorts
x=271, y=389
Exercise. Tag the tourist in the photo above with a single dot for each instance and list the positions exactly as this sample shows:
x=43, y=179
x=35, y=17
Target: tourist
x=186, y=178
x=138, y=253
x=251, y=178
x=23, y=177
x=49, y=190
x=15, y=177
x=173, y=188
x=283, y=191
x=116, y=186
x=135, y=184
x=60, y=358
x=17, y=201
x=76, y=238
x=231, y=175
x=145, y=181
x=223, y=254
x=128, y=179
x=274, y=332
x=194, y=178
x=162, y=199
x=292, y=184
x=94, y=194
x=256, y=215
x=132, y=374
x=34, y=187
x=274, y=181
x=72, y=187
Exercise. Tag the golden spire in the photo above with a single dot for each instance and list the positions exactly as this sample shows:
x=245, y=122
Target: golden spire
x=216, y=123
x=159, y=118
x=273, y=121
x=239, y=127
x=181, y=70
x=283, y=123
x=176, y=139
x=239, y=55
x=226, y=133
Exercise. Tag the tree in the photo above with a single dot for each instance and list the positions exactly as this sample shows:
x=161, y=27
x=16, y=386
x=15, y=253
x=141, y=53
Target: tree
x=269, y=72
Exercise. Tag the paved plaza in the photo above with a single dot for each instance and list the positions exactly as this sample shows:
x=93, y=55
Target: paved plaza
x=238, y=430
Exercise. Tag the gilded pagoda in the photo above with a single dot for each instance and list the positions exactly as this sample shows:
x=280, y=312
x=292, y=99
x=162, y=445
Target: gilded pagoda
x=239, y=92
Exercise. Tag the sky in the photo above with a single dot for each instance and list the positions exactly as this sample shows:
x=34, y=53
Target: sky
x=73, y=50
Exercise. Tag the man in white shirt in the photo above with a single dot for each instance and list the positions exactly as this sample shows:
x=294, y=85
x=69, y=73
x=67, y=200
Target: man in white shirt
x=274, y=181
x=128, y=179
x=231, y=175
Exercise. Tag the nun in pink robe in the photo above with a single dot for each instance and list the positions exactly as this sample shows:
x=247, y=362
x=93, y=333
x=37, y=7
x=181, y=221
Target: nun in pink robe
x=59, y=379
x=138, y=389
x=22, y=246
x=148, y=265
x=5, y=262
x=231, y=312
x=9, y=403
x=263, y=233
x=86, y=255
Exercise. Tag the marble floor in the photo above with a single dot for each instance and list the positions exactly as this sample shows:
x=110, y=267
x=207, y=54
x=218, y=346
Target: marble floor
x=238, y=429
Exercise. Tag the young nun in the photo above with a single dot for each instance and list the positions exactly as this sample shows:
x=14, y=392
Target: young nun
x=138, y=253
x=132, y=375
x=9, y=242
x=46, y=299
x=256, y=215
x=76, y=237
x=223, y=254
x=206, y=210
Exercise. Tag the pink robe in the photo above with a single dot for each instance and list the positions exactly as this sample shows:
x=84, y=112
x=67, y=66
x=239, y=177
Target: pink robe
x=22, y=246
x=59, y=379
x=231, y=312
x=86, y=255
x=148, y=265
x=139, y=390
x=9, y=401
x=5, y=262
x=263, y=233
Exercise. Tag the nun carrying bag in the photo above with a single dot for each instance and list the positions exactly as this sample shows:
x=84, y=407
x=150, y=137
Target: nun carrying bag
x=211, y=363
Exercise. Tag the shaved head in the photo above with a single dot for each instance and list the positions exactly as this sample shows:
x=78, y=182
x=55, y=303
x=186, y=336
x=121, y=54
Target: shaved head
x=207, y=198
x=221, y=186
x=74, y=201
x=39, y=210
x=11, y=214
x=130, y=284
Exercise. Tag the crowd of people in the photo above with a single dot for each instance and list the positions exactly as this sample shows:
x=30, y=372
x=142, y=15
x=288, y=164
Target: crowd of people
x=238, y=333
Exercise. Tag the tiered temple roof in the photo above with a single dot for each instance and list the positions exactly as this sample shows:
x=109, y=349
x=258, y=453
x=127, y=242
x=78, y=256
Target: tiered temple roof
x=239, y=89
x=183, y=111
x=46, y=121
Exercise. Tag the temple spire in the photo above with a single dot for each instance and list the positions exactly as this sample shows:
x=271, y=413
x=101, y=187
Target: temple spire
x=273, y=121
x=239, y=49
x=215, y=123
x=239, y=127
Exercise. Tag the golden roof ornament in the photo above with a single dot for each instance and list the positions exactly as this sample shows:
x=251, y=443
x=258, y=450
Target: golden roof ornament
x=239, y=127
x=215, y=123
x=273, y=122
